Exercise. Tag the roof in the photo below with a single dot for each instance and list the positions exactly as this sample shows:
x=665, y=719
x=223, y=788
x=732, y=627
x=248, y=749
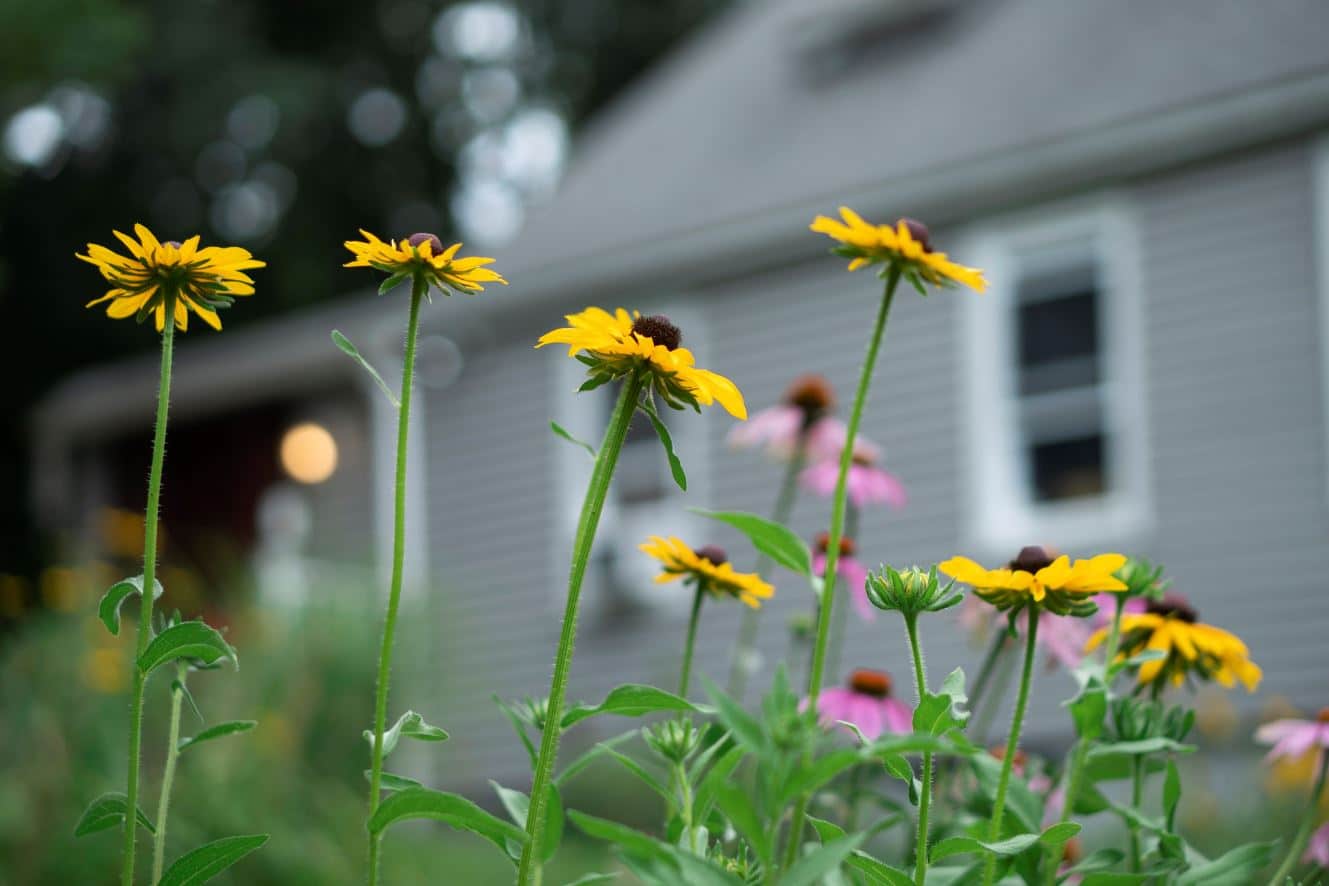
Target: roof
x=745, y=123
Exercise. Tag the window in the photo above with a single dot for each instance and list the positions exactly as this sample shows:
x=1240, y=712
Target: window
x=1320, y=179
x=1055, y=400
x=643, y=499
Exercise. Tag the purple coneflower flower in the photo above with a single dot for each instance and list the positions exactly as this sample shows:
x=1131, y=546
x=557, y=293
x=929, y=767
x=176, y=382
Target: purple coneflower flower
x=867, y=703
x=1292, y=738
x=867, y=483
x=848, y=571
x=1317, y=852
x=803, y=414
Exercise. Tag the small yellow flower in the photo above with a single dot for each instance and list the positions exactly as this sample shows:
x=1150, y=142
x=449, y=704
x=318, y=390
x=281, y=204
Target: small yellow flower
x=709, y=567
x=177, y=277
x=1171, y=626
x=425, y=255
x=907, y=245
x=1035, y=578
x=620, y=343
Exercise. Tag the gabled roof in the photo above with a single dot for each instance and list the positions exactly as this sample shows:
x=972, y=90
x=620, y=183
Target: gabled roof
x=788, y=106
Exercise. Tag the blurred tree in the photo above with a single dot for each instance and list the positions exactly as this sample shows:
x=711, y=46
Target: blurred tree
x=282, y=127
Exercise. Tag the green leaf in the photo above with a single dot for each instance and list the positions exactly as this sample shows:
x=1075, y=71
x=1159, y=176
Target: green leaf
x=773, y=539
x=230, y=727
x=661, y=431
x=408, y=725
x=450, y=809
x=589, y=757
x=806, y=779
x=207, y=861
x=389, y=782
x=1097, y=861
x=1138, y=748
x=1114, y=878
x=108, y=811
x=189, y=639
x=518, y=807
x=1089, y=709
x=560, y=431
x=1021, y=802
x=939, y=714
x=736, y=805
x=630, y=700
x=593, y=879
x=1232, y=868
x=642, y=774
x=1171, y=795
x=820, y=861
x=719, y=775
x=742, y=725
x=518, y=726
x=629, y=840
x=350, y=350
x=393, y=282
x=1056, y=835
x=109, y=608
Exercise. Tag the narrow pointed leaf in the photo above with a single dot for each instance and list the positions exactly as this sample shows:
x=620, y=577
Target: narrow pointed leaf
x=809, y=869
x=560, y=431
x=393, y=282
x=630, y=700
x=189, y=639
x=209, y=860
x=109, y=608
x=775, y=540
x=518, y=807
x=408, y=725
x=108, y=811
x=350, y=350
x=451, y=809
x=391, y=782
x=221, y=729
x=662, y=431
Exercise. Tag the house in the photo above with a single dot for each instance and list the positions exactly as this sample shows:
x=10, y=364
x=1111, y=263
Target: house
x=1147, y=187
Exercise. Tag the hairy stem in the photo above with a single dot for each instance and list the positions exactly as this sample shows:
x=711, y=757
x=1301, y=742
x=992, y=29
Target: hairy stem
x=840, y=615
x=144, y=628
x=168, y=775
x=746, y=641
x=1137, y=796
x=1012, y=745
x=419, y=289
x=925, y=795
x=690, y=642
x=596, y=491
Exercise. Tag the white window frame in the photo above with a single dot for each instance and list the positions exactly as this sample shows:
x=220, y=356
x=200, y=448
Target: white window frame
x=1000, y=512
x=1320, y=241
x=583, y=415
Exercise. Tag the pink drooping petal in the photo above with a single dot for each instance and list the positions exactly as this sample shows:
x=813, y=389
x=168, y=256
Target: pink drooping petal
x=868, y=715
x=1290, y=738
x=1107, y=607
x=776, y=428
x=1062, y=636
x=1317, y=851
x=899, y=716
x=820, y=478
x=851, y=574
x=826, y=441
x=869, y=485
x=1052, y=808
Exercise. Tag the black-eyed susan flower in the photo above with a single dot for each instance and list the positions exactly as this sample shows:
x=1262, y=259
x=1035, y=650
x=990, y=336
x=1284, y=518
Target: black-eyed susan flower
x=423, y=257
x=906, y=245
x=170, y=278
x=1034, y=578
x=619, y=344
x=708, y=567
x=1190, y=648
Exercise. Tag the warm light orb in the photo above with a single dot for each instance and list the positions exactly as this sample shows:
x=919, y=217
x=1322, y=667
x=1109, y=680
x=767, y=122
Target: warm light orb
x=308, y=453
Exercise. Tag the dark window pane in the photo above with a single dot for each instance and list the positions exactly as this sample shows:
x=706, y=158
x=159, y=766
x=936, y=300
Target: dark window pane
x=1065, y=469
x=1061, y=328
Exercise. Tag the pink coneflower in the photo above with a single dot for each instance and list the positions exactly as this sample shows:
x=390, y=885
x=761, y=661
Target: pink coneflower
x=1061, y=636
x=867, y=483
x=1317, y=852
x=867, y=703
x=848, y=571
x=1107, y=607
x=1292, y=738
x=803, y=413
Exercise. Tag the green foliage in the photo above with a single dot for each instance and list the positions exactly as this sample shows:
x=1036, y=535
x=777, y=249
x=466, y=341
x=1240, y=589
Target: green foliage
x=647, y=406
x=231, y=727
x=108, y=811
x=206, y=862
x=189, y=640
x=560, y=431
x=629, y=700
x=451, y=809
x=408, y=725
x=776, y=541
x=109, y=608
x=350, y=350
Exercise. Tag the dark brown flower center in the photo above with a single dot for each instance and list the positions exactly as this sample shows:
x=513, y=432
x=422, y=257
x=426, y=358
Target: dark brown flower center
x=847, y=546
x=658, y=329
x=1173, y=606
x=869, y=682
x=1323, y=716
x=864, y=458
x=435, y=244
x=1031, y=559
x=714, y=553
x=813, y=395
x=1017, y=762
x=919, y=232
x=175, y=243
x=1071, y=853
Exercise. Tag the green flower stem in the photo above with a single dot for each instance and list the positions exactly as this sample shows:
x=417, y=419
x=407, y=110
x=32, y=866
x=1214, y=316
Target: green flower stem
x=596, y=491
x=145, y=608
x=1074, y=775
x=419, y=289
x=690, y=643
x=838, y=506
x=1012, y=745
x=817, y=669
x=840, y=615
x=685, y=806
x=747, y=630
x=1114, y=635
x=1137, y=796
x=168, y=775
x=1307, y=825
x=925, y=795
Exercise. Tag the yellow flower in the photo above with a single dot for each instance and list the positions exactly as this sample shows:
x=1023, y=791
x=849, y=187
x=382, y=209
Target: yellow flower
x=176, y=277
x=709, y=567
x=618, y=344
x=906, y=245
x=422, y=254
x=1170, y=626
x=1035, y=578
